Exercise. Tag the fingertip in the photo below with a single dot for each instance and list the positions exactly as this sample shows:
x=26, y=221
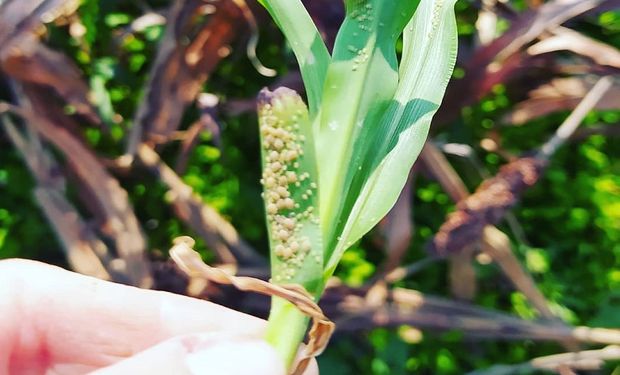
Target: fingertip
x=210, y=353
x=236, y=357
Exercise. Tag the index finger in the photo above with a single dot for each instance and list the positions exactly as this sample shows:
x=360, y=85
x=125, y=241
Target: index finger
x=52, y=317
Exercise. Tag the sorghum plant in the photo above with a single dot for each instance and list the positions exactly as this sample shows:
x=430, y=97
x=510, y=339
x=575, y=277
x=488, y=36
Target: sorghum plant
x=334, y=168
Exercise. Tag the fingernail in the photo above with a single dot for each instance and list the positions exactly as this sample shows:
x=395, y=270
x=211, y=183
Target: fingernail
x=235, y=357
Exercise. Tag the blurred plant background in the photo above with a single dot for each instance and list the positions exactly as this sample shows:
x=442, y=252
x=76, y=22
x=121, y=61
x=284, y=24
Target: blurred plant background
x=129, y=123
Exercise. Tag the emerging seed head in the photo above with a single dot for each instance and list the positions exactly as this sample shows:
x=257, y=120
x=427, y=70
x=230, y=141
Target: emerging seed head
x=280, y=114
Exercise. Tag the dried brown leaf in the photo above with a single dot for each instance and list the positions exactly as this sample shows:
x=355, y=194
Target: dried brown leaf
x=111, y=199
x=505, y=57
x=495, y=243
x=207, y=122
x=561, y=94
x=564, y=39
x=546, y=17
x=322, y=328
x=181, y=68
x=18, y=17
x=29, y=61
x=462, y=274
x=486, y=24
x=84, y=251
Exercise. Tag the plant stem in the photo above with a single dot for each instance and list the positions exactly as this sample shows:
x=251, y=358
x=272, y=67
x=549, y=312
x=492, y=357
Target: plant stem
x=573, y=121
x=286, y=329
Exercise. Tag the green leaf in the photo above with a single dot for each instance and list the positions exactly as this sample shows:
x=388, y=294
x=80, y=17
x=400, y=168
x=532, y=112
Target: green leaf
x=367, y=123
x=290, y=189
x=386, y=150
x=361, y=82
x=307, y=44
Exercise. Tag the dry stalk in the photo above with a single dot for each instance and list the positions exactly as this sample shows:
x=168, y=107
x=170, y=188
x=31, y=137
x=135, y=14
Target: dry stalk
x=496, y=195
x=86, y=253
x=568, y=127
x=498, y=249
x=564, y=363
x=218, y=233
x=180, y=69
x=120, y=224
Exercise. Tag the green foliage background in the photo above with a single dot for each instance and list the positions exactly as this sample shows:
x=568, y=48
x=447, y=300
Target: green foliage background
x=570, y=219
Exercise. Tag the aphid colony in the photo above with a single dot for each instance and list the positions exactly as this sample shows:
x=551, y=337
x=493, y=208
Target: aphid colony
x=363, y=16
x=287, y=191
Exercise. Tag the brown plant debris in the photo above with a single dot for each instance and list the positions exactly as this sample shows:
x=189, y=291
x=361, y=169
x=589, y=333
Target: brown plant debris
x=322, y=328
x=487, y=205
x=85, y=252
x=505, y=58
x=560, y=94
x=22, y=16
x=563, y=363
x=29, y=61
x=217, y=232
x=565, y=39
x=180, y=69
x=108, y=198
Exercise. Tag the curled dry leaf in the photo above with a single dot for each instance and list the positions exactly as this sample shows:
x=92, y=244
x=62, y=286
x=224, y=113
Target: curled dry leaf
x=322, y=328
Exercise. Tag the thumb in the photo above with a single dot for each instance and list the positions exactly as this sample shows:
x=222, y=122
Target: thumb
x=203, y=354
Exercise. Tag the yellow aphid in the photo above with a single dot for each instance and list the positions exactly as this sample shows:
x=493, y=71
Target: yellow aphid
x=289, y=223
x=289, y=203
x=291, y=177
x=272, y=209
x=275, y=166
x=283, y=192
x=269, y=182
x=284, y=235
x=278, y=144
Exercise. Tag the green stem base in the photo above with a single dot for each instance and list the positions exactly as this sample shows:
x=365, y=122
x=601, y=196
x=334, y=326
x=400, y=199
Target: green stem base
x=286, y=329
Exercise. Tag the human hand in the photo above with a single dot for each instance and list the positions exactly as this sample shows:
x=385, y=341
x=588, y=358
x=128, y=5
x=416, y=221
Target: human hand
x=54, y=321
